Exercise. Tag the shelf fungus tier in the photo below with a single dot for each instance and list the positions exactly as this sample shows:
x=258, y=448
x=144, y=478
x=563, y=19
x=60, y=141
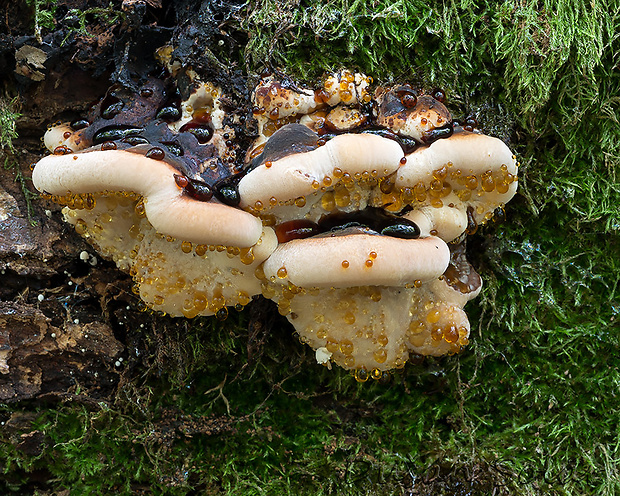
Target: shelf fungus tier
x=350, y=209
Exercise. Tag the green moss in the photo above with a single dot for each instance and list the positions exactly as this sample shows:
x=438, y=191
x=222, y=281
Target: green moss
x=8, y=133
x=8, y=118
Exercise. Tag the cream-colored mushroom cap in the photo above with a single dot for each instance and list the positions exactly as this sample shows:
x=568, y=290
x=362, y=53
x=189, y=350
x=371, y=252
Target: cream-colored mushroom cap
x=63, y=135
x=167, y=208
x=472, y=153
x=300, y=174
x=347, y=260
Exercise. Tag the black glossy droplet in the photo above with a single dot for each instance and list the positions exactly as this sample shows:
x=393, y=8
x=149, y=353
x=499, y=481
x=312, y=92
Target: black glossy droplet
x=472, y=225
x=135, y=140
x=203, y=132
x=169, y=113
x=407, y=144
x=79, y=124
x=227, y=193
x=112, y=110
x=471, y=123
x=198, y=190
x=409, y=100
x=146, y=92
x=108, y=145
x=174, y=148
x=384, y=133
x=113, y=133
x=404, y=229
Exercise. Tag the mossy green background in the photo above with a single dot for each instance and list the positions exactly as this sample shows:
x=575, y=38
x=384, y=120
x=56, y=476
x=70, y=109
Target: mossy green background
x=532, y=406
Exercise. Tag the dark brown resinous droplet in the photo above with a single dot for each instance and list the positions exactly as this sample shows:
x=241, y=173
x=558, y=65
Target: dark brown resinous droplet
x=296, y=229
x=156, y=153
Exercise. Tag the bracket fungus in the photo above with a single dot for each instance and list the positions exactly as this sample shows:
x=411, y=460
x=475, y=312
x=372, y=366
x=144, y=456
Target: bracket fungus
x=350, y=209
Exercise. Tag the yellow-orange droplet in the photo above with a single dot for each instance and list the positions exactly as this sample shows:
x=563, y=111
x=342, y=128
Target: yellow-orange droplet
x=433, y=316
x=345, y=264
x=346, y=347
x=186, y=247
x=282, y=272
x=380, y=356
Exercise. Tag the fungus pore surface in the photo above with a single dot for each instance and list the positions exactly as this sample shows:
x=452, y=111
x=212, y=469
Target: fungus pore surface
x=350, y=208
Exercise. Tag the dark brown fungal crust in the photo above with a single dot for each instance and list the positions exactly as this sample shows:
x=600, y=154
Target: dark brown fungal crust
x=460, y=274
x=289, y=139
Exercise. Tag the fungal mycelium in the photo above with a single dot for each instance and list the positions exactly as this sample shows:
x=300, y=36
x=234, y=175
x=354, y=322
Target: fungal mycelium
x=350, y=209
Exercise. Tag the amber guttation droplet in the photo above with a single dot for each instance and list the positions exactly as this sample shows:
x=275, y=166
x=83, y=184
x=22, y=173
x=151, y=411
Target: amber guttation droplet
x=345, y=264
x=282, y=272
x=186, y=247
x=156, y=153
x=403, y=161
x=181, y=181
x=66, y=134
x=62, y=150
x=409, y=100
x=471, y=123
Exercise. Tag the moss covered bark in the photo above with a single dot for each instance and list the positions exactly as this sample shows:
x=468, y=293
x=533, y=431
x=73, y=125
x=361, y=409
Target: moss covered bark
x=530, y=407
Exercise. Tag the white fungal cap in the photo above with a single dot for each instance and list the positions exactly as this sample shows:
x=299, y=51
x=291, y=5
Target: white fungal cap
x=168, y=210
x=465, y=170
x=61, y=134
x=446, y=222
x=302, y=174
x=346, y=260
